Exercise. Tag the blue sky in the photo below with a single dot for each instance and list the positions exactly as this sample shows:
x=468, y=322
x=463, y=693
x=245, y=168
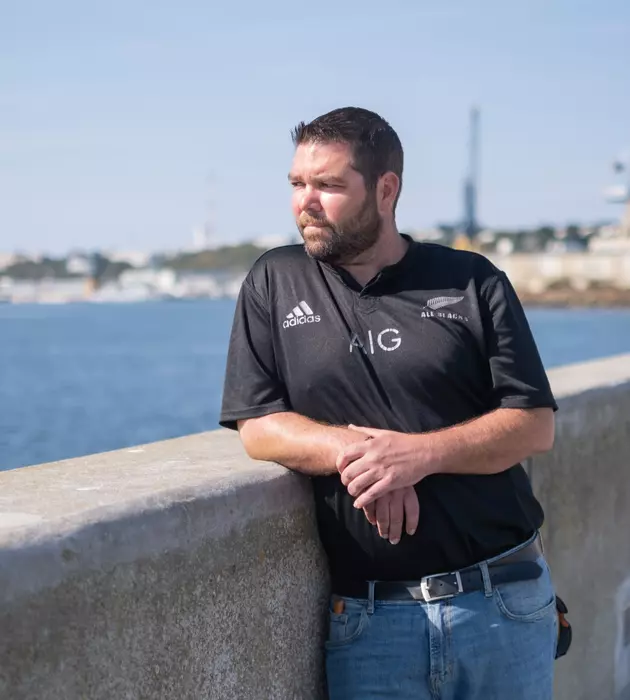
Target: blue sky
x=122, y=123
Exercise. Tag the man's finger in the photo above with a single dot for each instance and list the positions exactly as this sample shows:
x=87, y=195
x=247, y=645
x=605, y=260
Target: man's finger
x=396, y=515
x=412, y=510
x=360, y=466
x=350, y=454
x=361, y=483
x=370, y=513
x=382, y=516
x=380, y=488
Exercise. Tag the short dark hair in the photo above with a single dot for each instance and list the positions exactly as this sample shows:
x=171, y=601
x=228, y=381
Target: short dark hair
x=376, y=148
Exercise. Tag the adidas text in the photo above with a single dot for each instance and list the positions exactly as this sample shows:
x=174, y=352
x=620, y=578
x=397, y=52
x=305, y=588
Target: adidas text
x=301, y=321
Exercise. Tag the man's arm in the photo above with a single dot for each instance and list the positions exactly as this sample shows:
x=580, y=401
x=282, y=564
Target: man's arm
x=486, y=445
x=494, y=442
x=296, y=442
x=312, y=448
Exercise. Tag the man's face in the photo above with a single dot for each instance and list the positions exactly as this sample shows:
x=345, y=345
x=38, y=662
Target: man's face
x=334, y=212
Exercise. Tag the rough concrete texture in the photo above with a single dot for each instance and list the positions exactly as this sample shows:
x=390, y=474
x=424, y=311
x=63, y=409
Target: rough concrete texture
x=584, y=487
x=183, y=569
x=175, y=570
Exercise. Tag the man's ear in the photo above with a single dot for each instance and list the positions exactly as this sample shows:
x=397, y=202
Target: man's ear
x=387, y=190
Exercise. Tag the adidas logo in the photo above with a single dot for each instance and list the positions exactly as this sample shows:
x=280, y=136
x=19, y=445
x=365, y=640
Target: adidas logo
x=300, y=315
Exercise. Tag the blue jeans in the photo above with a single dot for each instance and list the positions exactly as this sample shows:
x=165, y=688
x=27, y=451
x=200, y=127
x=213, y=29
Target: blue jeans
x=497, y=644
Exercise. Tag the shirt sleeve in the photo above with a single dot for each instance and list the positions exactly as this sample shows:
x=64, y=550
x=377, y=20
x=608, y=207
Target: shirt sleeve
x=519, y=379
x=252, y=387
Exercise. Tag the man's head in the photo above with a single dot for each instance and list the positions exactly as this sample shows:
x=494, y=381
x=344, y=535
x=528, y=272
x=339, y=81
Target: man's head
x=346, y=178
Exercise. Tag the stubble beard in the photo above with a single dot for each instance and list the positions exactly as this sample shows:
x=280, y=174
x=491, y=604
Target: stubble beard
x=346, y=240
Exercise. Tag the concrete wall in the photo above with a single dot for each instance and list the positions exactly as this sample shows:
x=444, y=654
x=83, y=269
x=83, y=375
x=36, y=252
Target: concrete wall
x=176, y=570
x=584, y=487
x=184, y=570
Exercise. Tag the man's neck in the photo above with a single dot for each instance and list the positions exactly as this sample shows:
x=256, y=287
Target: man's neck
x=388, y=250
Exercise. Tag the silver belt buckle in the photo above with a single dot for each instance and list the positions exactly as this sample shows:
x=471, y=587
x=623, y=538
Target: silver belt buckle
x=426, y=594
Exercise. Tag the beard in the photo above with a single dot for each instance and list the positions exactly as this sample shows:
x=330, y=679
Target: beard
x=345, y=240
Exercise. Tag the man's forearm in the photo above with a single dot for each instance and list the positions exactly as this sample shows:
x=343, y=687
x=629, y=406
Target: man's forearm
x=296, y=442
x=486, y=445
x=312, y=448
x=493, y=442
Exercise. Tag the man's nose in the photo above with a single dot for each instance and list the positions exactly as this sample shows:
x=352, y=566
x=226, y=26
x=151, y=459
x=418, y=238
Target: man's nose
x=310, y=200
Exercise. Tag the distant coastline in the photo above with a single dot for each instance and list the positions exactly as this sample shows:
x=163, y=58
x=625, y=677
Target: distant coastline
x=563, y=296
x=566, y=297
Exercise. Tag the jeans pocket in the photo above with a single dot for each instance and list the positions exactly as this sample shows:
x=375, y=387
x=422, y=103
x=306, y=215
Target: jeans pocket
x=346, y=627
x=527, y=601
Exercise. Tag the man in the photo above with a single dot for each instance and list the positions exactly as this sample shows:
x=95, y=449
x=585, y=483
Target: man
x=402, y=377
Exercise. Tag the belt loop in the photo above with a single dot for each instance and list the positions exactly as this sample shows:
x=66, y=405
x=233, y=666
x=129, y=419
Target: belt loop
x=370, y=609
x=485, y=575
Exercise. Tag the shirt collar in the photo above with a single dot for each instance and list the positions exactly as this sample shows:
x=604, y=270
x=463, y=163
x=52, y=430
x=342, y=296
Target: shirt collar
x=390, y=272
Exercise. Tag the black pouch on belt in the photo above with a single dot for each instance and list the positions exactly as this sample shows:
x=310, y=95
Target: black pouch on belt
x=565, y=633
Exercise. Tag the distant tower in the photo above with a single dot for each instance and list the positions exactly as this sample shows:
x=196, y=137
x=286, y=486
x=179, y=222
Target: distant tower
x=201, y=238
x=203, y=235
x=620, y=193
x=470, y=223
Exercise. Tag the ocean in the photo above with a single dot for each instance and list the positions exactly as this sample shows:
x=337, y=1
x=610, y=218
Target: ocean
x=82, y=378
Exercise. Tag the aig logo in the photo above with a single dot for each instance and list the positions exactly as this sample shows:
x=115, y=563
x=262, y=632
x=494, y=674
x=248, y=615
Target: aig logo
x=386, y=340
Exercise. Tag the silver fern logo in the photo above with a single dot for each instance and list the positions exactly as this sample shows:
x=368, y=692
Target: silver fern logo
x=441, y=302
x=436, y=308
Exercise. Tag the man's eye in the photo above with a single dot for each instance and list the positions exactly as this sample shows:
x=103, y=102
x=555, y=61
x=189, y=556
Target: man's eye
x=297, y=183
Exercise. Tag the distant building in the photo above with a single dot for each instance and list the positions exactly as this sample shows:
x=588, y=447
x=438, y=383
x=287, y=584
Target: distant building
x=609, y=239
x=428, y=234
x=7, y=259
x=46, y=291
x=6, y=285
x=78, y=265
x=161, y=280
x=135, y=258
x=142, y=285
x=275, y=240
x=564, y=246
x=505, y=245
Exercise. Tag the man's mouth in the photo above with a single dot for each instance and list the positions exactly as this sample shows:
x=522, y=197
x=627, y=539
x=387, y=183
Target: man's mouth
x=314, y=224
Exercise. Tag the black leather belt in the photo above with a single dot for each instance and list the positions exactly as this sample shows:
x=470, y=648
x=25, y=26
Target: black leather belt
x=517, y=566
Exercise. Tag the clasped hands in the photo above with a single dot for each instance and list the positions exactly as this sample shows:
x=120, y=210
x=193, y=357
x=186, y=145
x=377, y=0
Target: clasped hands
x=380, y=472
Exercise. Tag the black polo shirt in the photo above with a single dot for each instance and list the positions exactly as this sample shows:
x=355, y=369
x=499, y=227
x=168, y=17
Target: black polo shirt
x=432, y=341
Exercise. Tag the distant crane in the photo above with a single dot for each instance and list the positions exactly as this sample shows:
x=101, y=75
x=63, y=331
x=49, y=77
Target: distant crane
x=469, y=226
x=470, y=223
